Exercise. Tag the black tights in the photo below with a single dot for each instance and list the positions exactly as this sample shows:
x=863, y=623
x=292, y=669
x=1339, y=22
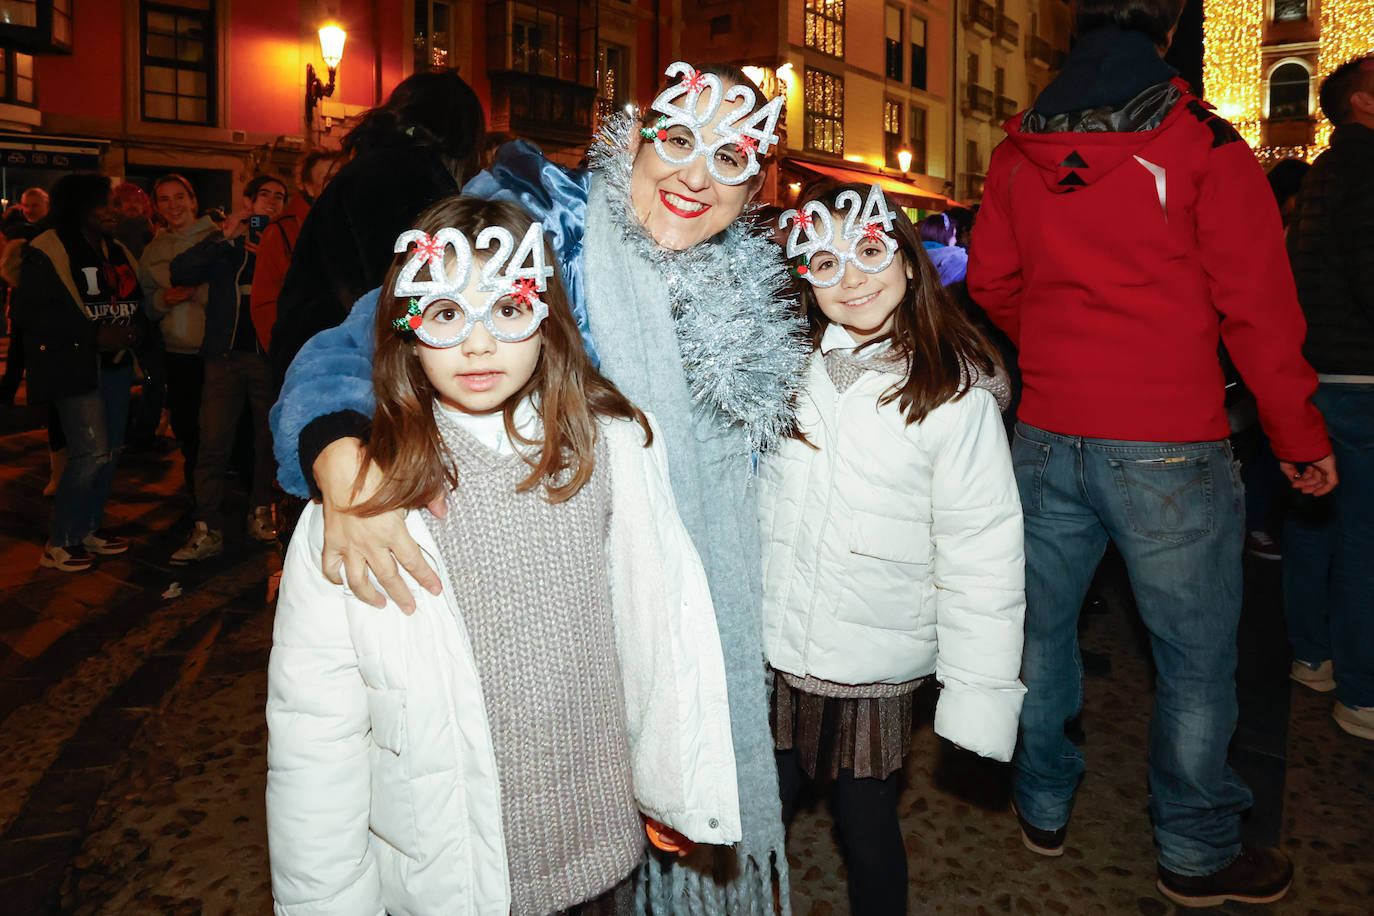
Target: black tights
x=865, y=812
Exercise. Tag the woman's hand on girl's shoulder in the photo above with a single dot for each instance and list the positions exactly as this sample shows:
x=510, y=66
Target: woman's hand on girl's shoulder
x=360, y=543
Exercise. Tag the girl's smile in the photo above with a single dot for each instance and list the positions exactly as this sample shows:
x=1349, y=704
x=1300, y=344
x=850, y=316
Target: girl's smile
x=480, y=381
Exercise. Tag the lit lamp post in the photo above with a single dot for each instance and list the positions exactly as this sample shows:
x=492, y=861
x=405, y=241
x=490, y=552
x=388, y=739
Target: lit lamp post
x=904, y=160
x=332, y=39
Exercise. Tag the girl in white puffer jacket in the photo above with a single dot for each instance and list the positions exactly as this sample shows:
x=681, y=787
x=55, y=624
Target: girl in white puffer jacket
x=892, y=533
x=502, y=750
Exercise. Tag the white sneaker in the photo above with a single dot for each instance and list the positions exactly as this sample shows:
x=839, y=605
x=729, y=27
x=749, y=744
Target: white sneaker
x=1320, y=678
x=204, y=543
x=1357, y=720
x=260, y=526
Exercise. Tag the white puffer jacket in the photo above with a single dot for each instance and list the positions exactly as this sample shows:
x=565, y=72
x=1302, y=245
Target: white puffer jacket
x=892, y=551
x=382, y=790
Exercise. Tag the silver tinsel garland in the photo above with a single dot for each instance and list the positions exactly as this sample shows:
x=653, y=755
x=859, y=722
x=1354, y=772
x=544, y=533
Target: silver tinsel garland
x=742, y=340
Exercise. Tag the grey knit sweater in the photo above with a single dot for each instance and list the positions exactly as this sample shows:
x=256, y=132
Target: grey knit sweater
x=531, y=581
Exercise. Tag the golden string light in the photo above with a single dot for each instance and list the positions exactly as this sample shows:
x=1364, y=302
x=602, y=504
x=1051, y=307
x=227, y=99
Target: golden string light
x=1232, y=62
x=1233, y=32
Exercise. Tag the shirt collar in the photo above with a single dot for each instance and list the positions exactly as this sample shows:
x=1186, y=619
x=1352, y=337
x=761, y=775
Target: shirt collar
x=836, y=337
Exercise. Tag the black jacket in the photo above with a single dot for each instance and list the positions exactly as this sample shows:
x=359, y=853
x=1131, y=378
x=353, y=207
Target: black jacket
x=61, y=351
x=1331, y=244
x=345, y=246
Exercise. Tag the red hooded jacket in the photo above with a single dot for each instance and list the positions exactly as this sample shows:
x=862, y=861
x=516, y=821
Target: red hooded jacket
x=1114, y=260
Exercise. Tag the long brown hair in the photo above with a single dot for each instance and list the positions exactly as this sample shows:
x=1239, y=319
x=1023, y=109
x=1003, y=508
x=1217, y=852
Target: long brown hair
x=568, y=391
x=933, y=337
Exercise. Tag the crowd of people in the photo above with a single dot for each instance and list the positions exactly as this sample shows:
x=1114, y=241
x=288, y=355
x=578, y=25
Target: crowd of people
x=630, y=516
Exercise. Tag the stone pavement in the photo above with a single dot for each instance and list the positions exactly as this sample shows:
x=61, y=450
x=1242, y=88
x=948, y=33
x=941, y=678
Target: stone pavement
x=133, y=776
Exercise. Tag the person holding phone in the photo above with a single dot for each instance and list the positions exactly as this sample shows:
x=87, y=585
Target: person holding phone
x=236, y=368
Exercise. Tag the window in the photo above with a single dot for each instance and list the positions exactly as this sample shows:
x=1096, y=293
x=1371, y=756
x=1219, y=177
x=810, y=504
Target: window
x=974, y=69
x=613, y=71
x=16, y=77
x=972, y=161
x=894, y=43
x=22, y=13
x=1289, y=92
x=62, y=23
x=825, y=26
x=824, y=96
x=999, y=80
x=1290, y=10
x=917, y=124
x=433, y=40
x=178, y=62
x=892, y=131
x=918, y=53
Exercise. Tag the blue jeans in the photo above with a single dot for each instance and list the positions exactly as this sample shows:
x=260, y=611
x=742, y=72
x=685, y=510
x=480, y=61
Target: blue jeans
x=1328, y=552
x=1174, y=510
x=94, y=427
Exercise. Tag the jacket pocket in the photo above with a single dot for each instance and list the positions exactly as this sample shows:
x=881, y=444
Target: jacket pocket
x=886, y=538
x=885, y=576
x=392, y=810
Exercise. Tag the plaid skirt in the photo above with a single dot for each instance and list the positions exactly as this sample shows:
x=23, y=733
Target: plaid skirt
x=869, y=735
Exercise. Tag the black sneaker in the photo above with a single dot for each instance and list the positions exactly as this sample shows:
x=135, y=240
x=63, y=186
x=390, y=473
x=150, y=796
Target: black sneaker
x=1260, y=874
x=1043, y=842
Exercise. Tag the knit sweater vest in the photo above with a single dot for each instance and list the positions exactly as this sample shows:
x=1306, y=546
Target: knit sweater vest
x=531, y=581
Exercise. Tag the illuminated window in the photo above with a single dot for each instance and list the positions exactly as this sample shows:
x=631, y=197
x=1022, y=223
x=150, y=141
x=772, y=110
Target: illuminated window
x=825, y=26
x=918, y=53
x=892, y=131
x=1289, y=92
x=433, y=41
x=16, y=77
x=1290, y=10
x=894, y=43
x=178, y=53
x=824, y=95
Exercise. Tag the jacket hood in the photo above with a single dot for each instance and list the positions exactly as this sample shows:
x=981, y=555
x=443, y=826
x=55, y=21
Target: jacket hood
x=1069, y=160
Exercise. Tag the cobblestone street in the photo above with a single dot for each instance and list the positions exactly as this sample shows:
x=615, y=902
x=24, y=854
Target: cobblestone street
x=134, y=766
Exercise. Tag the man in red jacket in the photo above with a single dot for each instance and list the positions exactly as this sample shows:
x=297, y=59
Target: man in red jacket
x=279, y=240
x=1125, y=229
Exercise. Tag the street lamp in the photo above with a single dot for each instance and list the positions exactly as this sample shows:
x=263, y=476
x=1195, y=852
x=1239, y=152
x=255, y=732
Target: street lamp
x=904, y=160
x=332, y=39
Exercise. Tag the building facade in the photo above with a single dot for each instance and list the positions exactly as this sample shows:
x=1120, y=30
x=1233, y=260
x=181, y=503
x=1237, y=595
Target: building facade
x=214, y=89
x=1005, y=52
x=1263, y=61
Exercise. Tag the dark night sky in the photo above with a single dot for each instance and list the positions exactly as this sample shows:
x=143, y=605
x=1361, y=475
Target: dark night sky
x=1186, y=51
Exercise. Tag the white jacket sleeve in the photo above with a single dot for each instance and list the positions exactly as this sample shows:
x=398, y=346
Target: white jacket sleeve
x=979, y=571
x=318, y=775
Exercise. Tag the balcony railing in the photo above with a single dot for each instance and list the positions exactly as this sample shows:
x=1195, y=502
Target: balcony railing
x=981, y=15
x=1006, y=107
x=1039, y=50
x=979, y=99
x=540, y=107
x=1008, y=30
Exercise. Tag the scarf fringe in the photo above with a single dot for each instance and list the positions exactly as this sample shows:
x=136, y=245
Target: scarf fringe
x=667, y=887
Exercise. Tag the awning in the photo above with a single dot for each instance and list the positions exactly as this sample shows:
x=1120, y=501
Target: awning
x=44, y=152
x=904, y=192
